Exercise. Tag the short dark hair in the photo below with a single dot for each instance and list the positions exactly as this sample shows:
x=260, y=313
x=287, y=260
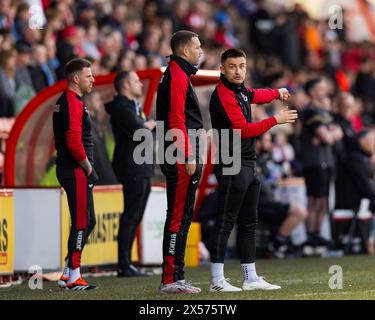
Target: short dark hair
x=232, y=53
x=120, y=78
x=181, y=38
x=310, y=84
x=75, y=65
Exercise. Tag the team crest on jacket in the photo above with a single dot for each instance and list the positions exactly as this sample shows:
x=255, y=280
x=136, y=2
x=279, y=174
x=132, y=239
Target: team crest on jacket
x=244, y=97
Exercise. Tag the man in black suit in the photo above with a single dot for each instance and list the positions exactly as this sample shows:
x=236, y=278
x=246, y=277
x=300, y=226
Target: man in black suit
x=126, y=118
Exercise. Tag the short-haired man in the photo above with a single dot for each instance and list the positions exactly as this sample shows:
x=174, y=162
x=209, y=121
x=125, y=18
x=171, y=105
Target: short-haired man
x=177, y=107
x=74, y=166
x=238, y=193
x=126, y=118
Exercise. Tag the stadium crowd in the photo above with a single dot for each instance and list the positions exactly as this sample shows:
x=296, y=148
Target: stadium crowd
x=320, y=66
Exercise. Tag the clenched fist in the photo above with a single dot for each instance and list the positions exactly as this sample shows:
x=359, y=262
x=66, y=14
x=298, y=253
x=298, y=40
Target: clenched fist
x=284, y=94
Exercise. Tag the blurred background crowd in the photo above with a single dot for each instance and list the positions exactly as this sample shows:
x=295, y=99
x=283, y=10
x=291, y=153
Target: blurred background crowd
x=286, y=47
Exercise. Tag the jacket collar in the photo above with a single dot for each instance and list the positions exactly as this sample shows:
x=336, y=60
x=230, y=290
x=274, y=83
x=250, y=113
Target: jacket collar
x=74, y=93
x=236, y=88
x=186, y=66
x=124, y=99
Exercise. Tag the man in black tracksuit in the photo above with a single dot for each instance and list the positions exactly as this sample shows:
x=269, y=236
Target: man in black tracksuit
x=239, y=192
x=318, y=137
x=74, y=166
x=177, y=108
x=126, y=118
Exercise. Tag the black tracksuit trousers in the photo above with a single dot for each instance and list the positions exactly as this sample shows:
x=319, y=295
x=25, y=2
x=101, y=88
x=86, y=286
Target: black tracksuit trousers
x=181, y=190
x=238, y=203
x=78, y=189
x=136, y=191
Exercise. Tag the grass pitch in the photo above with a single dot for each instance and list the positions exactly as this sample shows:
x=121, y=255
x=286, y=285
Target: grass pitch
x=300, y=279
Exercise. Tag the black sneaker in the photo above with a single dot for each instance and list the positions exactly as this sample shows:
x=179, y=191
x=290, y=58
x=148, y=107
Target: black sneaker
x=130, y=272
x=318, y=241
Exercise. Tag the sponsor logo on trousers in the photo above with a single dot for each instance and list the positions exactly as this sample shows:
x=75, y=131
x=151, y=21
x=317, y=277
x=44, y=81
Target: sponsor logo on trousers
x=79, y=240
x=172, y=243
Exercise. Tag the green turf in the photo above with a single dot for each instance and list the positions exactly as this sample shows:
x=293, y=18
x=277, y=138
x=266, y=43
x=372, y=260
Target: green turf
x=304, y=278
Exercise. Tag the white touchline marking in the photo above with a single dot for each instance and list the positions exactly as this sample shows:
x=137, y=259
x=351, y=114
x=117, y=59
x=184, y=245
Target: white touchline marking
x=323, y=293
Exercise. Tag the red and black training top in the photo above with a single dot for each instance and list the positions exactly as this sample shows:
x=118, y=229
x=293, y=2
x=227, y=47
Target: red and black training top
x=230, y=109
x=72, y=130
x=177, y=104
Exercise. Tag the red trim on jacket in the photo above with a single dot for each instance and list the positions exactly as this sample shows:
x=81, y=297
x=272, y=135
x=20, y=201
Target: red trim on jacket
x=74, y=134
x=264, y=95
x=233, y=110
x=178, y=91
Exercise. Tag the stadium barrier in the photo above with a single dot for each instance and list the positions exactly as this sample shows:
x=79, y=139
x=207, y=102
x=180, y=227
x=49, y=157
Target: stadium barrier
x=40, y=235
x=294, y=190
x=101, y=247
x=151, y=232
x=192, y=257
x=6, y=235
x=41, y=217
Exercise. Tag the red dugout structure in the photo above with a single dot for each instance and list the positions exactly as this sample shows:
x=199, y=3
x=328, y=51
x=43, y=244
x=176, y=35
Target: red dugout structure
x=31, y=145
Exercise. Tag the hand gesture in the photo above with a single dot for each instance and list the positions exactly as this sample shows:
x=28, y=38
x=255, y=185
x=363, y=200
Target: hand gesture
x=286, y=116
x=284, y=94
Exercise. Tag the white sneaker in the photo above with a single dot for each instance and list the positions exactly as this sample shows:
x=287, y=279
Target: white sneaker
x=223, y=286
x=187, y=284
x=259, y=284
x=178, y=287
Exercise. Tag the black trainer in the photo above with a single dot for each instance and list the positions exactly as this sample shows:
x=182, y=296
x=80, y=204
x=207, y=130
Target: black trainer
x=130, y=271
